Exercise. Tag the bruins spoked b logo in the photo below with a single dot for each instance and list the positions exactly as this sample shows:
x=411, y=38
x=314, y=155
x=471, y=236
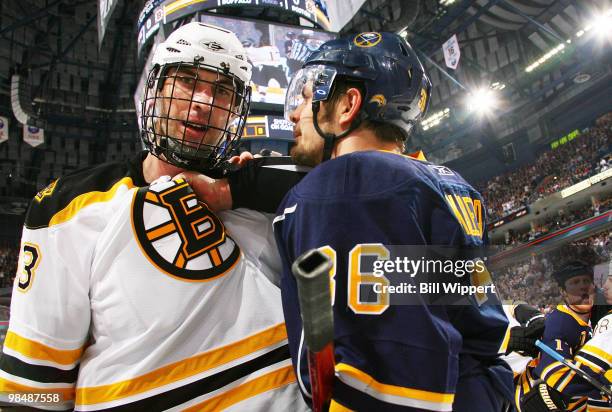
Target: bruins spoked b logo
x=179, y=234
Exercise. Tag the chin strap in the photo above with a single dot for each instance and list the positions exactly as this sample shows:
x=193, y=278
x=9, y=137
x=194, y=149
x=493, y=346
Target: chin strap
x=330, y=138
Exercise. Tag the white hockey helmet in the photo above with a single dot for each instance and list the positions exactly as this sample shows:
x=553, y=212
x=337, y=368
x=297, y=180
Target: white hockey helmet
x=190, y=48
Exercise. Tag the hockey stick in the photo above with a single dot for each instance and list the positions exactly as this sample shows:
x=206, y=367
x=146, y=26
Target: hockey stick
x=311, y=271
x=556, y=356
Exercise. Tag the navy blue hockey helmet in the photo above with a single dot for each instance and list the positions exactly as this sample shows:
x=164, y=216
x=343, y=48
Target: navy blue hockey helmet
x=397, y=87
x=570, y=270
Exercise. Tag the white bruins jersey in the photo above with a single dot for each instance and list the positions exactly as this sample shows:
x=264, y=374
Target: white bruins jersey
x=132, y=297
x=596, y=355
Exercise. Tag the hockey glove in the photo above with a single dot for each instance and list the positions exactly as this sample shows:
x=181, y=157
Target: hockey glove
x=542, y=398
x=522, y=338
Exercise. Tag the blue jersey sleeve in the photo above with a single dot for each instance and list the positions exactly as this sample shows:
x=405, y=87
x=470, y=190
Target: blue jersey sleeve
x=566, y=334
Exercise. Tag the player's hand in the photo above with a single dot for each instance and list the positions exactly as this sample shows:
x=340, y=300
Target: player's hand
x=523, y=338
x=542, y=398
x=214, y=192
x=241, y=159
x=525, y=314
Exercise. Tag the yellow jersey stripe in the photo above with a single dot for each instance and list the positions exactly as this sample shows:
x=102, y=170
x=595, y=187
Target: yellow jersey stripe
x=526, y=382
x=87, y=199
x=343, y=368
x=578, y=406
x=504, y=345
x=182, y=369
x=261, y=384
x=549, y=368
x=597, y=352
x=36, y=350
x=555, y=377
x=593, y=408
x=6, y=386
x=566, y=381
x=594, y=367
x=336, y=407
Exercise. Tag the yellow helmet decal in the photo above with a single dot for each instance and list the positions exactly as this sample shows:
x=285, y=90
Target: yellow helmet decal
x=423, y=100
x=379, y=99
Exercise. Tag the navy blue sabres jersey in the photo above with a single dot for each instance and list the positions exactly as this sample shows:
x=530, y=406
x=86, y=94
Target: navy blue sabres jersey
x=388, y=357
x=565, y=332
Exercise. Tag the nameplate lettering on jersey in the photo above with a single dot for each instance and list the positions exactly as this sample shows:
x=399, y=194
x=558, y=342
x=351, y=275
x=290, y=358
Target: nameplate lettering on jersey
x=180, y=235
x=468, y=212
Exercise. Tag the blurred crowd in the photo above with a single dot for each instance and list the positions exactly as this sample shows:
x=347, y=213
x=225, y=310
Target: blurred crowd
x=530, y=280
x=9, y=253
x=587, y=154
x=560, y=221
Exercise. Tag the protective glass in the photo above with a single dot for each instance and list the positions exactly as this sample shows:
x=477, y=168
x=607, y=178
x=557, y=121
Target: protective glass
x=318, y=78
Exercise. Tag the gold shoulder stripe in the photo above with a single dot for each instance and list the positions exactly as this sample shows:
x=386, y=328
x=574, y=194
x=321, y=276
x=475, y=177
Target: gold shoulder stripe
x=37, y=350
x=182, y=369
x=6, y=386
x=87, y=199
x=261, y=384
x=568, y=311
x=418, y=155
x=343, y=368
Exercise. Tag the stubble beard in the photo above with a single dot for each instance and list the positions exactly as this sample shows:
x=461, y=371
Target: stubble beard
x=308, y=155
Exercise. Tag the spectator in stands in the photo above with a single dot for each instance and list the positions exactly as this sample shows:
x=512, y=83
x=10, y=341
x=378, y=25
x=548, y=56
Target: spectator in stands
x=554, y=170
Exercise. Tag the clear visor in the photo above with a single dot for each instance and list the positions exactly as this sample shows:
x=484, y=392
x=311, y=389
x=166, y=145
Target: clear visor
x=310, y=83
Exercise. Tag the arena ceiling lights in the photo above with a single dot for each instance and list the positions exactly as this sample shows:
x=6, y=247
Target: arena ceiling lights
x=601, y=25
x=482, y=101
x=435, y=119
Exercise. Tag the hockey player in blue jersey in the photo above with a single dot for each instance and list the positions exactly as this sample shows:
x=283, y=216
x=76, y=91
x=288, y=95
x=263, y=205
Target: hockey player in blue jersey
x=354, y=103
x=595, y=359
x=567, y=328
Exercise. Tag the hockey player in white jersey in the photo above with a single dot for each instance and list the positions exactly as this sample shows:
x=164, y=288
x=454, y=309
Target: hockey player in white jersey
x=130, y=293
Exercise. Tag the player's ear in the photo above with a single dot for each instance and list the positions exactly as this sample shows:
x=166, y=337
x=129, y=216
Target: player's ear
x=348, y=107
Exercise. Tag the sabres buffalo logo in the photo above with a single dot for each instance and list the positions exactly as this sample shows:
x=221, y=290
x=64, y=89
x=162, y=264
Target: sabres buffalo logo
x=179, y=234
x=367, y=39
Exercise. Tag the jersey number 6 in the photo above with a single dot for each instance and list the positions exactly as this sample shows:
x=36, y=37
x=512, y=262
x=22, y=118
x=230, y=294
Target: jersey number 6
x=358, y=277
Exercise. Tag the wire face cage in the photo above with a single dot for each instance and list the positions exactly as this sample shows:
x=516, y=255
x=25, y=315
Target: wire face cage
x=193, y=114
